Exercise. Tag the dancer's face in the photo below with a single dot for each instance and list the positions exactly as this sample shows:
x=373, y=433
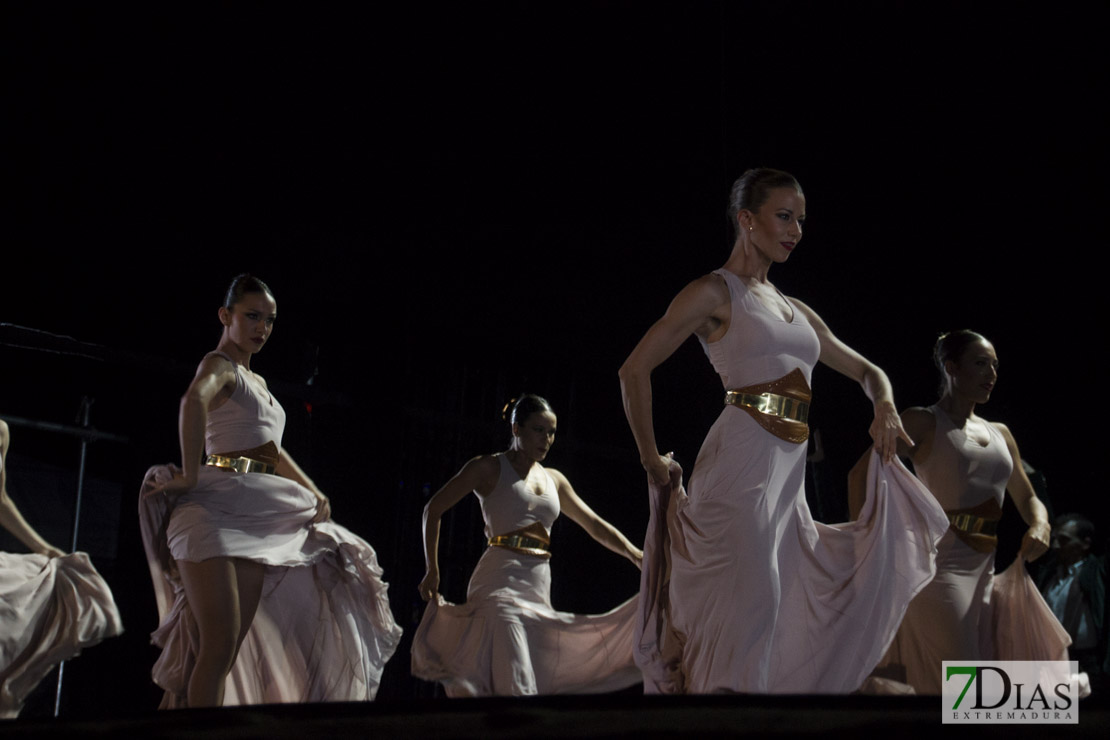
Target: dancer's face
x=976, y=373
x=535, y=434
x=250, y=321
x=776, y=228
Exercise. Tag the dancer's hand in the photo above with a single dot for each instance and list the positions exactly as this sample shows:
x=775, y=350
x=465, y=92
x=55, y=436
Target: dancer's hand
x=1036, y=541
x=323, y=509
x=638, y=559
x=429, y=586
x=658, y=468
x=51, y=552
x=172, y=487
x=887, y=429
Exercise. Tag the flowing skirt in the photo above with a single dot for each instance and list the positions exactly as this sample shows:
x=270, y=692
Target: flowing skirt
x=742, y=591
x=323, y=630
x=949, y=620
x=507, y=640
x=968, y=613
x=50, y=608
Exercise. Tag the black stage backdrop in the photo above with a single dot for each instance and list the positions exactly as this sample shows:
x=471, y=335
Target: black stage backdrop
x=455, y=202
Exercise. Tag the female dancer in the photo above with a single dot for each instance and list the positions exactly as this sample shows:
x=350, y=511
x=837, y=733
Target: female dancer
x=258, y=570
x=968, y=463
x=507, y=639
x=760, y=598
x=54, y=604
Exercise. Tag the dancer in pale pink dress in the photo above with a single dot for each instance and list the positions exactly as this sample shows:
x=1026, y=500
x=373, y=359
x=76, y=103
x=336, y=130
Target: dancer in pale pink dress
x=253, y=578
x=507, y=639
x=968, y=463
x=51, y=604
x=742, y=591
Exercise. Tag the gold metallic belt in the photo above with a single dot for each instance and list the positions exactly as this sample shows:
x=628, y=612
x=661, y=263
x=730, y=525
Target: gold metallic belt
x=972, y=524
x=239, y=464
x=780, y=406
x=522, y=543
x=772, y=404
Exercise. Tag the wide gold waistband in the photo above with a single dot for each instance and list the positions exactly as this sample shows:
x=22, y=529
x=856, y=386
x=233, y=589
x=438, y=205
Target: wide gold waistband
x=972, y=524
x=780, y=406
x=239, y=464
x=522, y=543
x=772, y=404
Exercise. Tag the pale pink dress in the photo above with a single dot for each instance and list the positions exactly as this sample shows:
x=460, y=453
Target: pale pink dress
x=323, y=630
x=966, y=612
x=507, y=639
x=50, y=609
x=741, y=590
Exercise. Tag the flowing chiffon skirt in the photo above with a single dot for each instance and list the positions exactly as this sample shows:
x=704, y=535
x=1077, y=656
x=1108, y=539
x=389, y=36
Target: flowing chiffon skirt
x=969, y=613
x=507, y=640
x=949, y=620
x=323, y=630
x=1023, y=623
x=50, y=608
x=742, y=591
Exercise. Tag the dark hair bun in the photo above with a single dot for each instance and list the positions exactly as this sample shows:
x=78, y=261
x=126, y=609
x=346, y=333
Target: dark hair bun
x=520, y=408
x=751, y=190
x=951, y=345
x=243, y=284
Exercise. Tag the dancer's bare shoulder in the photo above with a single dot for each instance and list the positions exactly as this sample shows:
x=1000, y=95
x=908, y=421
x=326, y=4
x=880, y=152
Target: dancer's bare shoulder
x=481, y=473
x=702, y=307
x=921, y=425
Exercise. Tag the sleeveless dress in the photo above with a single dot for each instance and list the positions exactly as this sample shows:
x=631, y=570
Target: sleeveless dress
x=50, y=609
x=507, y=639
x=323, y=630
x=741, y=590
x=951, y=619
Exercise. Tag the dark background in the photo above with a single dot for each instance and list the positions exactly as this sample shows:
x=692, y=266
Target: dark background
x=455, y=202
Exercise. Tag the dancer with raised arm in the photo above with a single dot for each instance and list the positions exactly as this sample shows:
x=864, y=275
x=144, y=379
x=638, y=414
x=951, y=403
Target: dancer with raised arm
x=262, y=597
x=742, y=591
x=507, y=639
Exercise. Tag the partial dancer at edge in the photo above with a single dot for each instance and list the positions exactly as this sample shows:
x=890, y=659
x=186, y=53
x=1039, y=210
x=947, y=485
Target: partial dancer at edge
x=507, y=639
x=262, y=597
x=53, y=604
x=968, y=463
x=742, y=591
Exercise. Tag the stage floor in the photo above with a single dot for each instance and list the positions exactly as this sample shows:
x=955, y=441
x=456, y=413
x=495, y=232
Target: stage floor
x=699, y=717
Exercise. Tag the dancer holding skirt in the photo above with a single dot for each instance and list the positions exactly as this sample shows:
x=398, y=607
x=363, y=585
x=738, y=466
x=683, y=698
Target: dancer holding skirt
x=969, y=464
x=262, y=597
x=51, y=604
x=742, y=591
x=507, y=639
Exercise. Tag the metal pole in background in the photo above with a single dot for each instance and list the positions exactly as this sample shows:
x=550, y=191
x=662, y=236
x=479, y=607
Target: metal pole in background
x=83, y=420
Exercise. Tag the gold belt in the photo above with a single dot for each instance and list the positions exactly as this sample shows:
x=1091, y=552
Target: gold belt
x=771, y=404
x=972, y=524
x=239, y=464
x=522, y=543
x=780, y=406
